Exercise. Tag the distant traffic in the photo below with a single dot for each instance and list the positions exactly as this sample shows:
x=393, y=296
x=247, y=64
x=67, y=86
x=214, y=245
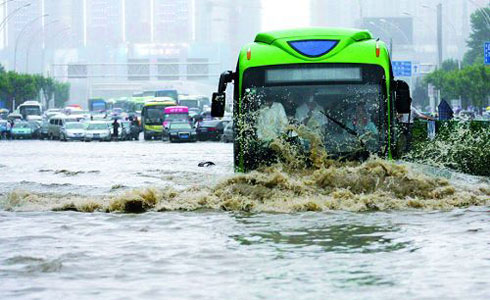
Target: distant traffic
x=162, y=115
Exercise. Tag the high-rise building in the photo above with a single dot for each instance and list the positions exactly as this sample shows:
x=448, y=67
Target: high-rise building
x=227, y=21
x=172, y=21
x=104, y=22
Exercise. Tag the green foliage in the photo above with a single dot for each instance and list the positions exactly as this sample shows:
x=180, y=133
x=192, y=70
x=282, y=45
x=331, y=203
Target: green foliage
x=459, y=146
x=450, y=65
x=480, y=33
x=420, y=94
x=23, y=87
x=472, y=83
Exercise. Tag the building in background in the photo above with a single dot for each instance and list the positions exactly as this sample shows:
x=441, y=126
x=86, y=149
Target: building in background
x=403, y=22
x=100, y=46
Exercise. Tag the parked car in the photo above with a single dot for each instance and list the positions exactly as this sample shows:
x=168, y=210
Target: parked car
x=97, y=130
x=72, y=131
x=21, y=130
x=181, y=132
x=36, y=129
x=211, y=130
x=43, y=133
x=228, y=136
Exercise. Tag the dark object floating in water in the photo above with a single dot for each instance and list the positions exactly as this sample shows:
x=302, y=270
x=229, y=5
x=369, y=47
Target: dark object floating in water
x=206, y=164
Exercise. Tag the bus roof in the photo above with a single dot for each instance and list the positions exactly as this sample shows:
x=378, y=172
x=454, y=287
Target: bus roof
x=315, y=32
x=167, y=102
x=314, y=45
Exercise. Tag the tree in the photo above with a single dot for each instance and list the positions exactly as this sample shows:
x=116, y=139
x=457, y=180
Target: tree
x=22, y=87
x=472, y=83
x=480, y=33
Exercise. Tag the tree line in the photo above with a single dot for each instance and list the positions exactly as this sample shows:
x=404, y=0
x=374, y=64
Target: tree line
x=23, y=87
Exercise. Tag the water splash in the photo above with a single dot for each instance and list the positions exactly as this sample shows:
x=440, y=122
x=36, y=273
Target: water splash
x=373, y=185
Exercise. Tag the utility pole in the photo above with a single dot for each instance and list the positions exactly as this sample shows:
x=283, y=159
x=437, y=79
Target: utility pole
x=439, y=34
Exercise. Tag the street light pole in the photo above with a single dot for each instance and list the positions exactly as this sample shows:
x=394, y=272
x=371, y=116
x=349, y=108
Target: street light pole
x=12, y=13
x=439, y=34
x=20, y=34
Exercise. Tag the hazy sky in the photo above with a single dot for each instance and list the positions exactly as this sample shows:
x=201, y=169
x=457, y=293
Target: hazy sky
x=281, y=14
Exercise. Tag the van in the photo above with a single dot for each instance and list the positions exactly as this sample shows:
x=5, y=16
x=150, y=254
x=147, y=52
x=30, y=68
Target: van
x=55, y=125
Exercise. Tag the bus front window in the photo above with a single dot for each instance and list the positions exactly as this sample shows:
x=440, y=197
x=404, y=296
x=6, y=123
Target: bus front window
x=154, y=115
x=30, y=111
x=345, y=113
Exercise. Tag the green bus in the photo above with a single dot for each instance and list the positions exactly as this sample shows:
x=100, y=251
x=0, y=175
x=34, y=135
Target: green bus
x=152, y=117
x=335, y=83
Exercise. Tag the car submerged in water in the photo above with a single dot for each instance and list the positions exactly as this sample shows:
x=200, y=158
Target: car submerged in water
x=211, y=130
x=72, y=131
x=21, y=130
x=97, y=131
x=181, y=132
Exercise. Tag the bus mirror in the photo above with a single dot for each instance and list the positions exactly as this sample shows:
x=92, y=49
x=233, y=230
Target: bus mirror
x=218, y=105
x=403, y=101
x=224, y=79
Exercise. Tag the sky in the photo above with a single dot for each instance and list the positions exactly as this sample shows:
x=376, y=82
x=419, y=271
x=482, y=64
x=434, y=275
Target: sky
x=282, y=14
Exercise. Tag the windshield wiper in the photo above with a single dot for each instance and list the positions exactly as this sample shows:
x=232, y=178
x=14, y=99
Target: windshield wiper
x=347, y=129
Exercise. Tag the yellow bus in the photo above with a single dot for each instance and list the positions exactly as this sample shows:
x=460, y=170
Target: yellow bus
x=152, y=116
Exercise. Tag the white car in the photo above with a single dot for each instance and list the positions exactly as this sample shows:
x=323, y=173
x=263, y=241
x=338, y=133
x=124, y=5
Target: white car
x=72, y=131
x=97, y=131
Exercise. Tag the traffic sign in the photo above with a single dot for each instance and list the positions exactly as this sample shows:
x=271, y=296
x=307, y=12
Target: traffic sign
x=487, y=53
x=402, y=68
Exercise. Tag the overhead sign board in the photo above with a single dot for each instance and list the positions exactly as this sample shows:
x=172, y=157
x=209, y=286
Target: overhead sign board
x=402, y=68
x=487, y=53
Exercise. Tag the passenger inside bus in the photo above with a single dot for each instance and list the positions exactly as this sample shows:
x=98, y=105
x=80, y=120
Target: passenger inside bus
x=271, y=121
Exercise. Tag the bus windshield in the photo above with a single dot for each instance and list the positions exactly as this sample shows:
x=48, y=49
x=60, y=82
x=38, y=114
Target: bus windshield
x=154, y=115
x=30, y=110
x=342, y=104
x=167, y=93
x=190, y=103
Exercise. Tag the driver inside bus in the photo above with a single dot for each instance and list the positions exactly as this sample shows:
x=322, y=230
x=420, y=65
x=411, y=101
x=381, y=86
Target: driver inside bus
x=362, y=123
x=272, y=120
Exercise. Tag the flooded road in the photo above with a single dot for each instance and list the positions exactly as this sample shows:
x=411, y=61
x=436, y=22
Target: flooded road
x=405, y=253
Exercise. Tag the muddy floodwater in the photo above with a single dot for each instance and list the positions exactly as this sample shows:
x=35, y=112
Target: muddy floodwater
x=205, y=233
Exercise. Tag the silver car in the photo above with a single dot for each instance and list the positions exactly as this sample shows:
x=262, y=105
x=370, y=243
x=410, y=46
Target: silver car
x=97, y=131
x=72, y=131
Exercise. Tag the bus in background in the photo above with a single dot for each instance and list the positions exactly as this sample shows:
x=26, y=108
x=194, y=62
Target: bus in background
x=204, y=103
x=30, y=110
x=122, y=103
x=152, y=117
x=168, y=93
x=110, y=104
x=137, y=103
x=336, y=84
x=175, y=114
x=97, y=105
x=193, y=103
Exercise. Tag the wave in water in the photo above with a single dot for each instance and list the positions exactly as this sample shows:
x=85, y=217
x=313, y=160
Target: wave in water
x=373, y=185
